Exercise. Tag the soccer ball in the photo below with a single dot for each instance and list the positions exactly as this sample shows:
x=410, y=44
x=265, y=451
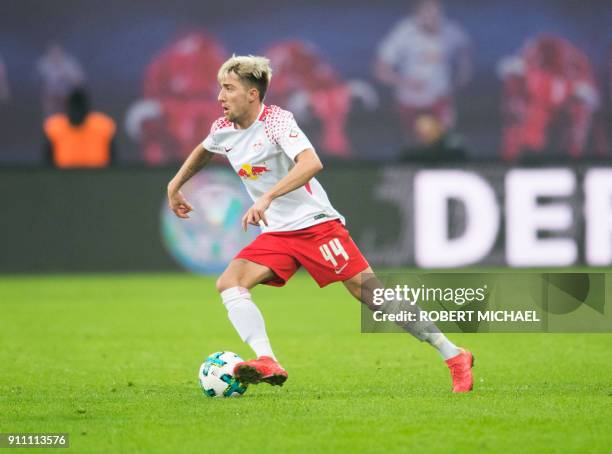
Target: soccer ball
x=217, y=375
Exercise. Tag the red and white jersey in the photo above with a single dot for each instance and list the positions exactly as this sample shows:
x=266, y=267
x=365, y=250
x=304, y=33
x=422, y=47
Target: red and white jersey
x=262, y=155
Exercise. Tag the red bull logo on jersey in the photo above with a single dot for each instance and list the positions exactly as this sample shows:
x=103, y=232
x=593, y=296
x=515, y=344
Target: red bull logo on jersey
x=252, y=172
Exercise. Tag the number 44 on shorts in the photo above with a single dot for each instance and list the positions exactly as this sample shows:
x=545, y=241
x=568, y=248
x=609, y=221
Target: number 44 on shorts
x=334, y=249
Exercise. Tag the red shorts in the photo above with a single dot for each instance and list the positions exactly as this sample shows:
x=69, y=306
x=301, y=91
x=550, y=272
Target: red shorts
x=326, y=250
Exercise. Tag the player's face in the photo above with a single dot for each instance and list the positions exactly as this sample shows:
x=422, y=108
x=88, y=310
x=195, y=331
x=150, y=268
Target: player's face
x=430, y=15
x=235, y=98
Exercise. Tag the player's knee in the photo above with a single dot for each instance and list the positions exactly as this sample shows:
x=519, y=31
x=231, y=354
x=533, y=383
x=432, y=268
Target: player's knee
x=225, y=282
x=362, y=286
x=231, y=279
x=353, y=287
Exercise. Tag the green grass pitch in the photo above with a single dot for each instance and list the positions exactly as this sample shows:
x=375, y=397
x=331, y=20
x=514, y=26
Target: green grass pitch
x=113, y=361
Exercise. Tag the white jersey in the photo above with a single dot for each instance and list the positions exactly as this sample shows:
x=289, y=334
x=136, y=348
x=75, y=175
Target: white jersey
x=423, y=59
x=262, y=155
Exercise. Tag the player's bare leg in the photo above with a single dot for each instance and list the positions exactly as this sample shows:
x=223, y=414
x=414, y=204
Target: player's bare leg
x=234, y=284
x=243, y=273
x=459, y=361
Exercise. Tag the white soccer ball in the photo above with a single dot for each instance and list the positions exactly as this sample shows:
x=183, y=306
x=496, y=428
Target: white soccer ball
x=217, y=375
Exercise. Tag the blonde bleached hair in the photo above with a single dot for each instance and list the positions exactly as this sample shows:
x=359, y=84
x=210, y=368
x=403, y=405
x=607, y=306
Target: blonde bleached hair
x=252, y=70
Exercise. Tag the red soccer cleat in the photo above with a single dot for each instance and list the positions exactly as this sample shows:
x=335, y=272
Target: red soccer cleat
x=461, y=371
x=261, y=369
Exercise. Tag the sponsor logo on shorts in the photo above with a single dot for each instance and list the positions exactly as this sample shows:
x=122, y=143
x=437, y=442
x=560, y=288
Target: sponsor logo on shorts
x=339, y=270
x=320, y=216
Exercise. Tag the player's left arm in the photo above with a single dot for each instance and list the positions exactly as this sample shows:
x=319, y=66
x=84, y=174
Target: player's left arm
x=307, y=165
x=197, y=160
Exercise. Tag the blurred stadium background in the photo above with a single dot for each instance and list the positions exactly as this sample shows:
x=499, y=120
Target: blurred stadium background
x=483, y=141
x=491, y=88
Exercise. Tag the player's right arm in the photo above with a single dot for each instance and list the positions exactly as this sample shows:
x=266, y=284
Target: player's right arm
x=196, y=161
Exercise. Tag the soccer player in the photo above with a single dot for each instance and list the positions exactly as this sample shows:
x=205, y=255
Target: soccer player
x=424, y=58
x=300, y=227
x=549, y=100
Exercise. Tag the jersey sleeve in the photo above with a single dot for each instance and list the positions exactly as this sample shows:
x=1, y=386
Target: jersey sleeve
x=209, y=142
x=288, y=136
x=105, y=124
x=50, y=127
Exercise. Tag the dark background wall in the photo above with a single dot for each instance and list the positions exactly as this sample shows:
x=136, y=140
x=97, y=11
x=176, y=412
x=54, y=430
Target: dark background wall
x=82, y=220
x=109, y=220
x=113, y=220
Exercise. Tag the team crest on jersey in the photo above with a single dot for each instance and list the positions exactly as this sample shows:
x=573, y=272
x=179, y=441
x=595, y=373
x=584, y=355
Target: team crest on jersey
x=258, y=146
x=252, y=172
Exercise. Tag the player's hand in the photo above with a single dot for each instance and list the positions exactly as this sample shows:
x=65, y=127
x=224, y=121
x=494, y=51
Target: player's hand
x=256, y=213
x=178, y=204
